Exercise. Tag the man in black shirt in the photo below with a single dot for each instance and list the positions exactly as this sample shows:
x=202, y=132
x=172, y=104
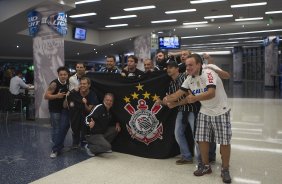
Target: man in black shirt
x=103, y=127
x=110, y=65
x=55, y=95
x=131, y=71
x=80, y=103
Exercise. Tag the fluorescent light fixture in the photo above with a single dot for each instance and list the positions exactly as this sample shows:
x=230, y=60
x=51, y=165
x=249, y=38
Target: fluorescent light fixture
x=223, y=52
x=117, y=25
x=86, y=1
x=216, y=43
x=140, y=8
x=253, y=41
x=273, y=12
x=180, y=11
x=163, y=21
x=248, y=19
x=205, y=1
x=82, y=15
x=218, y=16
x=248, y=5
x=238, y=33
x=195, y=23
x=242, y=38
x=123, y=17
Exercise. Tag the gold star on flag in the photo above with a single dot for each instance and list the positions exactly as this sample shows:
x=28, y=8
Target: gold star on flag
x=135, y=95
x=126, y=99
x=155, y=97
x=146, y=95
x=139, y=87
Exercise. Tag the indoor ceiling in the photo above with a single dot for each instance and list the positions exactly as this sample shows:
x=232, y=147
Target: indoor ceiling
x=217, y=34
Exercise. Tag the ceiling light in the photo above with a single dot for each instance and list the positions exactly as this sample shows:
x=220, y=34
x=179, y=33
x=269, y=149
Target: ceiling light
x=218, y=27
x=193, y=23
x=242, y=38
x=248, y=5
x=123, y=17
x=223, y=52
x=205, y=1
x=216, y=43
x=180, y=11
x=112, y=44
x=140, y=8
x=82, y=15
x=238, y=33
x=248, y=19
x=94, y=49
x=86, y=1
x=18, y=46
x=77, y=53
x=218, y=16
x=253, y=41
x=273, y=12
x=117, y=25
x=163, y=21
x=160, y=32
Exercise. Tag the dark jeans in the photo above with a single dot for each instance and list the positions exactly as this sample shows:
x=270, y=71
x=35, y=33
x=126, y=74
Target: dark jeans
x=100, y=143
x=60, y=126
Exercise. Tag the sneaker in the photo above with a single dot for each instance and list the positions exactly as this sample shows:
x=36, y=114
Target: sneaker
x=88, y=151
x=109, y=151
x=212, y=160
x=53, y=154
x=225, y=176
x=202, y=170
x=183, y=161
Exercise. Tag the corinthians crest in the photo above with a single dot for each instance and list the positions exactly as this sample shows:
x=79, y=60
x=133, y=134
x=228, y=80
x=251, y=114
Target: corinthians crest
x=143, y=124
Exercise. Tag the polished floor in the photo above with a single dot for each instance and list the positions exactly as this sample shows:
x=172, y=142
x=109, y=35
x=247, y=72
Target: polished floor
x=256, y=151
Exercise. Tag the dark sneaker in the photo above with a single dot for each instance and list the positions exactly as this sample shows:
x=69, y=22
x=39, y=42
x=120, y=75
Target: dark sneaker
x=225, y=176
x=202, y=170
x=183, y=161
x=88, y=151
x=212, y=160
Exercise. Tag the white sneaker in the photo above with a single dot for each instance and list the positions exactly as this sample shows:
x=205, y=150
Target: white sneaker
x=88, y=151
x=53, y=154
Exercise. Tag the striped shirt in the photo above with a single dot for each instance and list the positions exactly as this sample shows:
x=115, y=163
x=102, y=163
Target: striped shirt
x=175, y=85
x=106, y=70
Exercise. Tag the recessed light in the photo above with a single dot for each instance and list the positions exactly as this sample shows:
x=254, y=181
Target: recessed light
x=160, y=32
x=123, y=17
x=196, y=28
x=205, y=1
x=243, y=25
x=163, y=21
x=218, y=16
x=273, y=12
x=180, y=11
x=248, y=5
x=193, y=23
x=267, y=24
x=94, y=49
x=96, y=52
x=82, y=15
x=218, y=27
x=140, y=8
x=86, y=1
x=77, y=53
x=112, y=44
x=117, y=25
x=248, y=19
x=18, y=46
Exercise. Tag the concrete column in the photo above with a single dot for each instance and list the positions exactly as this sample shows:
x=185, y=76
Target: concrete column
x=237, y=64
x=142, y=49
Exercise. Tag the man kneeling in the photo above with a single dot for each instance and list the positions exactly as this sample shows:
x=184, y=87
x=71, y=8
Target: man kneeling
x=102, y=127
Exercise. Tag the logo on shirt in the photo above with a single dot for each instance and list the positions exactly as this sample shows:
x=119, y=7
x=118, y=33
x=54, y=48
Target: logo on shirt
x=210, y=77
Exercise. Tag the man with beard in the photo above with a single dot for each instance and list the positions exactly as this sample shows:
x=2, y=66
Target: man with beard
x=160, y=61
x=110, y=65
x=80, y=102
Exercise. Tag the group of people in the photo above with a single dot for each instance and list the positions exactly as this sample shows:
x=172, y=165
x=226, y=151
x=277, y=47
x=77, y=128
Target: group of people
x=196, y=90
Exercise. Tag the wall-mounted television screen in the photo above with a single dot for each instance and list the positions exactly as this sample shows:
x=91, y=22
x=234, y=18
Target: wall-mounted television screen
x=79, y=33
x=169, y=42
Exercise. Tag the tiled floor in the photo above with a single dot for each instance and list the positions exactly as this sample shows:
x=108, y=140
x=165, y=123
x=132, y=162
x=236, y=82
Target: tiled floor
x=256, y=151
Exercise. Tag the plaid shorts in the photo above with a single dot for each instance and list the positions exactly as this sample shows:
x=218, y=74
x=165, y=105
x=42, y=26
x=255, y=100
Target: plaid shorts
x=214, y=128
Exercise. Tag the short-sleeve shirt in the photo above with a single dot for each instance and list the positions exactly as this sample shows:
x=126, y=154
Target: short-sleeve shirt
x=199, y=84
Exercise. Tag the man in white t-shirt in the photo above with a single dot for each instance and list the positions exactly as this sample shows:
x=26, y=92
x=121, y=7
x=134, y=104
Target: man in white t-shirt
x=213, y=121
x=75, y=79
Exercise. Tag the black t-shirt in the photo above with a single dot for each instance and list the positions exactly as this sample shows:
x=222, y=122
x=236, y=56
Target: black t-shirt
x=56, y=105
x=133, y=75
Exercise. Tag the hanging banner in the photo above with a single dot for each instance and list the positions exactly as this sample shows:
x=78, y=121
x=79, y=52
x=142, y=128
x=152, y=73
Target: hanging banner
x=34, y=22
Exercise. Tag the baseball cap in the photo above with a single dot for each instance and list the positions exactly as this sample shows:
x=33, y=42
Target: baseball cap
x=172, y=63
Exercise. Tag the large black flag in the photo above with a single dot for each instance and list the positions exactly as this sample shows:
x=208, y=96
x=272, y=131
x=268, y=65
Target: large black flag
x=147, y=128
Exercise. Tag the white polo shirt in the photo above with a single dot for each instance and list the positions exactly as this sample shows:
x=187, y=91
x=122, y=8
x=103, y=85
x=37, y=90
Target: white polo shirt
x=74, y=82
x=199, y=84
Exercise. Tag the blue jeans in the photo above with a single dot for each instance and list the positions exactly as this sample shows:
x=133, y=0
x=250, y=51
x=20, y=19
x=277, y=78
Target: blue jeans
x=60, y=126
x=180, y=137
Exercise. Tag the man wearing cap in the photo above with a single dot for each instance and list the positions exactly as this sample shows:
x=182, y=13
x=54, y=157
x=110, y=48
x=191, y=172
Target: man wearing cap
x=185, y=113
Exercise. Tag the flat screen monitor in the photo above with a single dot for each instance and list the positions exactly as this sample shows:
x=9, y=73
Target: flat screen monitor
x=79, y=33
x=169, y=42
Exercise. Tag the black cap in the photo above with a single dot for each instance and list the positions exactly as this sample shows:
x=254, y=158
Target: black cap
x=172, y=63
